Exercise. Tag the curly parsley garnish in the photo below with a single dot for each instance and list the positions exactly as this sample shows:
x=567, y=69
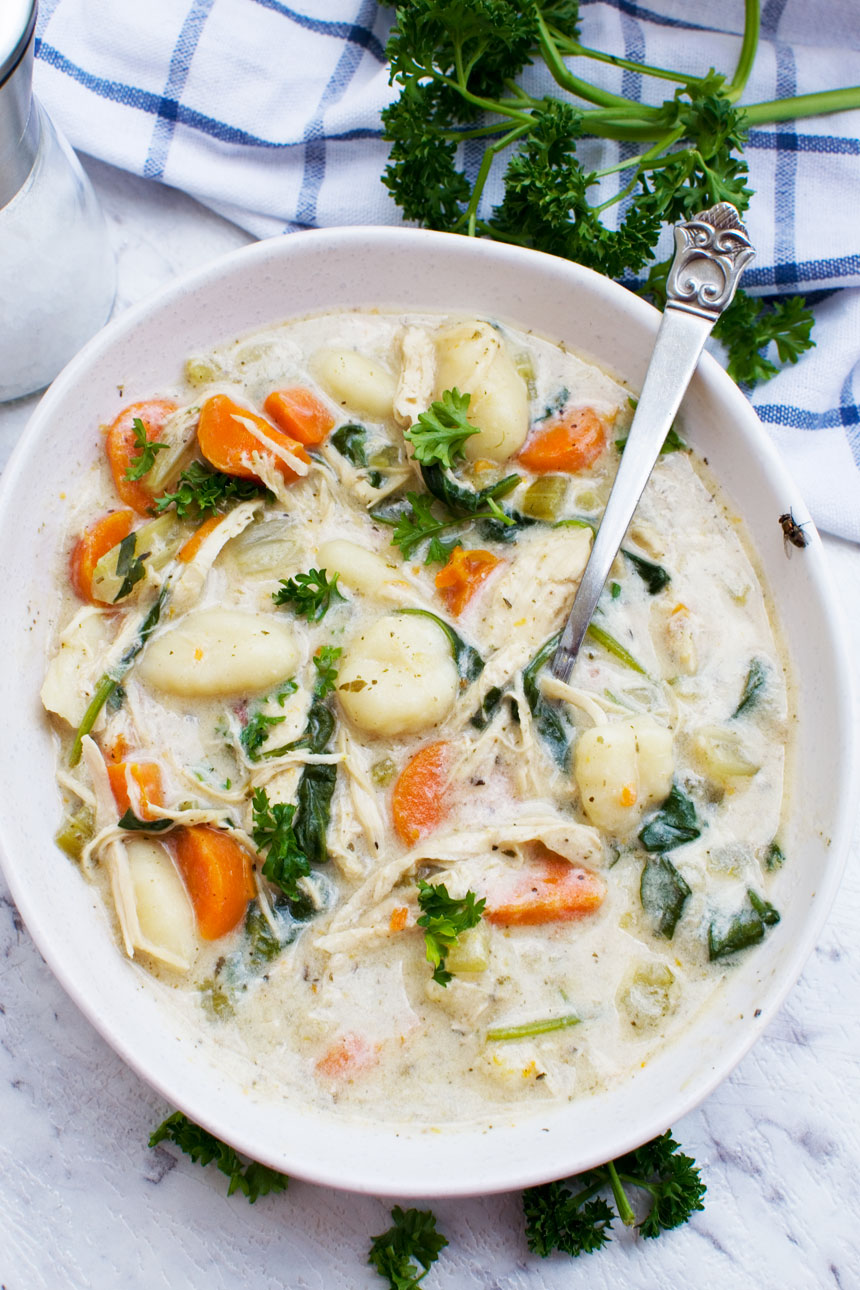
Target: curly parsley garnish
x=252, y=1179
x=148, y=449
x=203, y=490
x=412, y=1241
x=573, y=1217
x=444, y=919
x=309, y=594
x=273, y=833
x=439, y=433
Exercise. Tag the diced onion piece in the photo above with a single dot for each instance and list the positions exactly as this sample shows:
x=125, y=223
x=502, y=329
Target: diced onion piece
x=722, y=755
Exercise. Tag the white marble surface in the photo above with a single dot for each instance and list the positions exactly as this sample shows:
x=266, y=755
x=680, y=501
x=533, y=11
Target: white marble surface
x=85, y=1203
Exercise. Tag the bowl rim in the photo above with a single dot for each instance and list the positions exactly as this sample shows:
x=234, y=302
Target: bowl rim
x=367, y=1177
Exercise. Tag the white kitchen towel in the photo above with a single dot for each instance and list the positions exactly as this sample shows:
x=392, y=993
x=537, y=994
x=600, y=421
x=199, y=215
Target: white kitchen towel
x=269, y=113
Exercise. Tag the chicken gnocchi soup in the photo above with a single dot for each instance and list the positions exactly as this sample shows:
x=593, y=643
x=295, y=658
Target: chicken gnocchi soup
x=311, y=751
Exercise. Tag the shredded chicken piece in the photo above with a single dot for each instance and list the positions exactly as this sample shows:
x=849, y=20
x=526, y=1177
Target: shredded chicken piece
x=417, y=375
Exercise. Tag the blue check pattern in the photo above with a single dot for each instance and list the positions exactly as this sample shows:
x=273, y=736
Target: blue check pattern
x=268, y=112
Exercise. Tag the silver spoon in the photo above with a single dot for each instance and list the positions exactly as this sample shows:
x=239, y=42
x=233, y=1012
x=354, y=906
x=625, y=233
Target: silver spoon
x=711, y=251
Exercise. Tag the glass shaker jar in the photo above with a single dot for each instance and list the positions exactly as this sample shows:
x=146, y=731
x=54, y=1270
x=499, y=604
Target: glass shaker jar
x=57, y=270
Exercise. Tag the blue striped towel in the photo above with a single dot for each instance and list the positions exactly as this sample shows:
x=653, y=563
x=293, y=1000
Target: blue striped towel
x=269, y=113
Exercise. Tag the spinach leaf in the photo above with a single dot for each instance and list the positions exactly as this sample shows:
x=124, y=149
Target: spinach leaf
x=653, y=575
x=468, y=501
x=674, y=824
x=746, y=928
x=351, y=442
x=487, y=710
x=774, y=856
x=663, y=893
x=313, y=802
x=549, y=722
x=131, y=822
x=129, y=565
x=467, y=660
x=755, y=682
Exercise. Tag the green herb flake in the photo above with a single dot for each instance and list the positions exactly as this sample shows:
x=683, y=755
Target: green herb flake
x=755, y=684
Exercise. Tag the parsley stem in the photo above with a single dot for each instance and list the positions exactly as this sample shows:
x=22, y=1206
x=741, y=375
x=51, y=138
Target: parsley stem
x=649, y=160
x=565, y=45
x=573, y=84
x=625, y=1213
x=802, y=105
x=749, y=45
x=490, y=154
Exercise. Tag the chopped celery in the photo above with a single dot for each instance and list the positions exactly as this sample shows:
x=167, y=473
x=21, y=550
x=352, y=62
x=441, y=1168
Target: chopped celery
x=543, y=1027
x=614, y=647
x=75, y=832
x=545, y=497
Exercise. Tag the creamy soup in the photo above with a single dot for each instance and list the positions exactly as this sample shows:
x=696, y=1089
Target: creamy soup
x=312, y=753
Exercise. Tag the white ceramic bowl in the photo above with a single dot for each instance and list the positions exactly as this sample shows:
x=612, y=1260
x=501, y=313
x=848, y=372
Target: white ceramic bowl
x=142, y=353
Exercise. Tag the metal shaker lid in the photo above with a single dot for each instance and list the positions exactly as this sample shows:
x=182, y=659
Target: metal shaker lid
x=18, y=134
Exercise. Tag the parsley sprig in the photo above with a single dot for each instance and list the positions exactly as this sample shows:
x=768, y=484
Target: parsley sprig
x=309, y=594
x=444, y=919
x=147, y=448
x=410, y=1242
x=414, y=521
x=205, y=491
x=256, y=731
x=457, y=67
x=252, y=1179
x=573, y=1216
x=273, y=833
x=439, y=433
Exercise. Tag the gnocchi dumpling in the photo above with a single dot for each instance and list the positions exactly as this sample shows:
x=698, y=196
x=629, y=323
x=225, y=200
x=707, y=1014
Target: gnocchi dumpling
x=356, y=382
x=398, y=676
x=621, y=770
x=360, y=569
x=472, y=357
x=166, y=927
x=218, y=652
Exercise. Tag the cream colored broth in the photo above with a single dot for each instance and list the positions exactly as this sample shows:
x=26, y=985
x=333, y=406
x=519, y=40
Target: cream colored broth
x=347, y=1013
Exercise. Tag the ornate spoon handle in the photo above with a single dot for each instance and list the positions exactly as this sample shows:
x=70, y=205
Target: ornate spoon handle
x=711, y=251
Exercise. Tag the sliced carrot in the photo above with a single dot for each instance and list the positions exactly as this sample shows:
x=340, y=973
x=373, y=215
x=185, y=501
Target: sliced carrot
x=570, y=444
x=146, y=777
x=117, y=750
x=462, y=576
x=227, y=443
x=399, y=918
x=300, y=414
x=551, y=890
x=217, y=874
x=93, y=543
x=347, y=1056
x=122, y=449
x=190, y=548
x=417, y=805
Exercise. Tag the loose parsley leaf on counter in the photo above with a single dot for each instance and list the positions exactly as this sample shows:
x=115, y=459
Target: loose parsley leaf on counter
x=412, y=1241
x=309, y=594
x=444, y=918
x=148, y=449
x=439, y=433
x=572, y=1217
x=252, y=1179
